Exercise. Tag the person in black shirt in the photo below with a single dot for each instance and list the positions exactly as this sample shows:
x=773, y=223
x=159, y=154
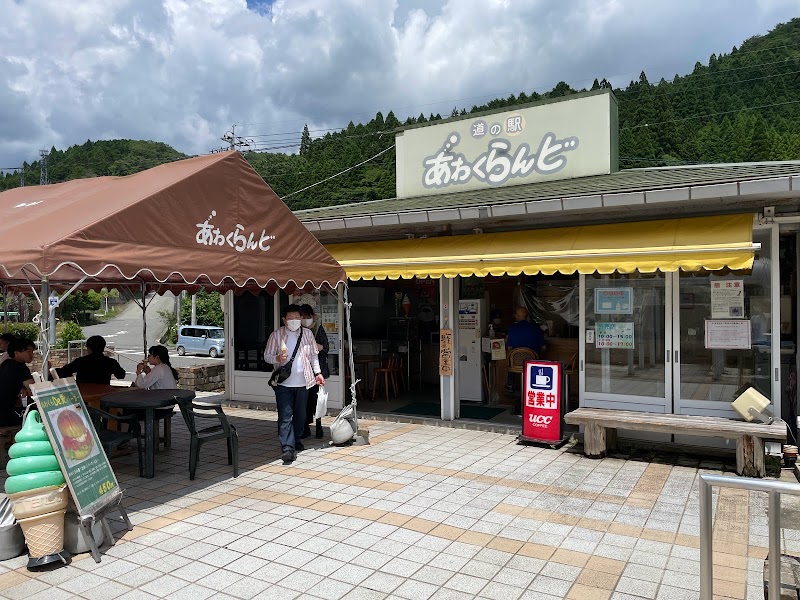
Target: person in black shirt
x=94, y=367
x=310, y=320
x=15, y=377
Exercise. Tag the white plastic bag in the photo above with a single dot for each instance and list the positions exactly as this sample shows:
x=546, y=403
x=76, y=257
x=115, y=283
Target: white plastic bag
x=322, y=403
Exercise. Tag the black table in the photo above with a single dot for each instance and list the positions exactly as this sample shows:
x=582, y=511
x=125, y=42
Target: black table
x=148, y=401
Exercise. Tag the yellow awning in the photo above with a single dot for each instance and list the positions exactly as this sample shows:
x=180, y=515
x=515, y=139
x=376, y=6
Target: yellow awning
x=688, y=244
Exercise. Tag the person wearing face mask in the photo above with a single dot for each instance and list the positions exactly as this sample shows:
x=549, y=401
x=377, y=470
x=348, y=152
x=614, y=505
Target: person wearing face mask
x=496, y=323
x=293, y=344
x=311, y=321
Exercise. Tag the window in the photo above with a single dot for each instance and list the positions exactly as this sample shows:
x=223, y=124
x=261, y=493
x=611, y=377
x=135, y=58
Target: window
x=254, y=321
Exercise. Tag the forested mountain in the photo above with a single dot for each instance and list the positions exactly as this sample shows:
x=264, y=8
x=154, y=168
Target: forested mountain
x=743, y=105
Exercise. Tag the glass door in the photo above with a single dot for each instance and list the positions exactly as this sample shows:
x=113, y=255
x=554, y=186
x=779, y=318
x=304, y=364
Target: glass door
x=627, y=342
x=723, y=326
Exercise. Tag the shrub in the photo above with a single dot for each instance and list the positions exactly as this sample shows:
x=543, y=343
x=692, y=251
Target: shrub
x=69, y=331
x=26, y=330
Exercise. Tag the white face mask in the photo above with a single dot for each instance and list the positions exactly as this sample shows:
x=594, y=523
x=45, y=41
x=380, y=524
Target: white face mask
x=307, y=322
x=293, y=324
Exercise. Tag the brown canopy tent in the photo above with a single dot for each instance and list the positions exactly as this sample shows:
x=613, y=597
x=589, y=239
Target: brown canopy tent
x=208, y=222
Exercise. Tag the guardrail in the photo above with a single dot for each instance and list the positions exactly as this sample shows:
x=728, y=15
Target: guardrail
x=774, y=489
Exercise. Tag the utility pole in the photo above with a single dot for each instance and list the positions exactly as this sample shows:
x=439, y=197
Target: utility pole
x=194, y=309
x=236, y=142
x=43, y=178
x=22, y=175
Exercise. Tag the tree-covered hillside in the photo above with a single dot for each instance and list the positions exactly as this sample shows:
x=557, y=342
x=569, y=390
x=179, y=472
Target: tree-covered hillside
x=743, y=105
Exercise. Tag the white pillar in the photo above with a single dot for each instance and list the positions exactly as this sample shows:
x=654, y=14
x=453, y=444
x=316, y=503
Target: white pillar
x=448, y=319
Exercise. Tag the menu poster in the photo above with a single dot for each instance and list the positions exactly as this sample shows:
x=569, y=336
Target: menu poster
x=83, y=461
x=446, y=352
x=613, y=301
x=728, y=334
x=330, y=317
x=333, y=343
x=727, y=299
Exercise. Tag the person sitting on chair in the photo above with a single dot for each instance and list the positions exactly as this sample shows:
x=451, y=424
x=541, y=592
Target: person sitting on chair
x=94, y=367
x=523, y=334
x=5, y=340
x=156, y=373
x=15, y=381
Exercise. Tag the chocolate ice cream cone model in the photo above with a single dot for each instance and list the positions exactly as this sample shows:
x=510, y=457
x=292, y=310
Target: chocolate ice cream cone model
x=37, y=490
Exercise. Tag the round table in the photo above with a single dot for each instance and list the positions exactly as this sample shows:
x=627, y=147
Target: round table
x=148, y=401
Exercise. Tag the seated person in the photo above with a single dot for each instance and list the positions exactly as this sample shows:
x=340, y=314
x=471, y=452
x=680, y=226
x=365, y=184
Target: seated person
x=523, y=334
x=5, y=340
x=15, y=381
x=94, y=367
x=156, y=373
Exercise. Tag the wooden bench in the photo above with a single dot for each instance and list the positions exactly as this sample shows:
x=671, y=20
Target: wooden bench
x=600, y=434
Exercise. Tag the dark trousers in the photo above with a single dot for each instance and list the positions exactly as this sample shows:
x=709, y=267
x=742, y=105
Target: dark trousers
x=291, y=414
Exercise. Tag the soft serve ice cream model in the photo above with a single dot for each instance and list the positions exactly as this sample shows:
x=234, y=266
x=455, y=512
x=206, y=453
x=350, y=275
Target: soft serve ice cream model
x=37, y=490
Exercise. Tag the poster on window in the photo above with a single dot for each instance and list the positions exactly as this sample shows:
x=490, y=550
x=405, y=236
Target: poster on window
x=613, y=301
x=727, y=299
x=614, y=335
x=728, y=334
x=330, y=318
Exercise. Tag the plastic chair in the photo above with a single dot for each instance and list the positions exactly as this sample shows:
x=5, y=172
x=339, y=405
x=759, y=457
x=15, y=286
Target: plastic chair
x=193, y=413
x=112, y=439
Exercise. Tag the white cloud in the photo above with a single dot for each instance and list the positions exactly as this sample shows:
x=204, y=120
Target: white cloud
x=183, y=71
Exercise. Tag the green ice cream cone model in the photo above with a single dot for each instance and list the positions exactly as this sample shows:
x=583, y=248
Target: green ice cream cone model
x=37, y=490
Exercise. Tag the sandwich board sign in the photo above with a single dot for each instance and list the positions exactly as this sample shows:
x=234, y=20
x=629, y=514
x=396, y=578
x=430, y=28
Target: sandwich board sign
x=542, y=402
x=83, y=461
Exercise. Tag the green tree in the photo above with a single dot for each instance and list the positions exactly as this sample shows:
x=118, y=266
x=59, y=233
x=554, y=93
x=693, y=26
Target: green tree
x=305, y=141
x=209, y=309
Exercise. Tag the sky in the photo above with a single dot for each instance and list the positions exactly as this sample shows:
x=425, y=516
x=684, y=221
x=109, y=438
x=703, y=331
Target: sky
x=184, y=71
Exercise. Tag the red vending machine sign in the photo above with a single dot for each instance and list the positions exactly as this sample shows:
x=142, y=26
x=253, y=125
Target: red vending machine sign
x=541, y=412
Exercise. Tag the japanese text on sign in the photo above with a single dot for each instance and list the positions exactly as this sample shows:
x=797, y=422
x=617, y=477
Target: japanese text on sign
x=728, y=334
x=542, y=401
x=614, y=335
x=209, y=235
x=727, y=299
x=446, y=352
x=613, y=301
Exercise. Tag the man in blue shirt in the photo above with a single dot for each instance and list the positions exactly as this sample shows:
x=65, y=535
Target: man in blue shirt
x=523, y=334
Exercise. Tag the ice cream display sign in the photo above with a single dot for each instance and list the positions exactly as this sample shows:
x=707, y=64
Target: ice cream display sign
x=83, y=461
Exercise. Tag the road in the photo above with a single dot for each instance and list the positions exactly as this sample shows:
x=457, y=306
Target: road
x=125, y=332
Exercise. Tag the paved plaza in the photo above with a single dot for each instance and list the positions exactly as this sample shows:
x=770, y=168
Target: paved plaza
x=422, y=512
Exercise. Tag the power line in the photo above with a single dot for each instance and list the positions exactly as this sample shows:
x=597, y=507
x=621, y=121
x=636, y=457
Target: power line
x=363, y=162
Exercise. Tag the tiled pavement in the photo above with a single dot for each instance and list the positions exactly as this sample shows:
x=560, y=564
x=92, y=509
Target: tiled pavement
x=423, y=512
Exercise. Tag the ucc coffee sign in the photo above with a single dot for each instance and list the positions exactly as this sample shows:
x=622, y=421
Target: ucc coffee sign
x=555, y=139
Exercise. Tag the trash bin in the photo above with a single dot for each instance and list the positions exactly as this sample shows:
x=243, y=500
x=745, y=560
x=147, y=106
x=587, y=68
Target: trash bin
x=12, y=542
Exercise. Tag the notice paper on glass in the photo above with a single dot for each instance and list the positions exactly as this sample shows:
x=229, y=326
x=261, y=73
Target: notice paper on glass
x=728, y=334
x=614, y=335
x=498, y=349
x=727, y=299
x=613, y=301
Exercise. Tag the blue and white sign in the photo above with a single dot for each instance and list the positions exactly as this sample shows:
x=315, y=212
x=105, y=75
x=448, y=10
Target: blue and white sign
x=613, y=301
x=541, y=378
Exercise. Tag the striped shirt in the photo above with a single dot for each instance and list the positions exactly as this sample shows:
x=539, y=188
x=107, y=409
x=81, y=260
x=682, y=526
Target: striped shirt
x=307, y=354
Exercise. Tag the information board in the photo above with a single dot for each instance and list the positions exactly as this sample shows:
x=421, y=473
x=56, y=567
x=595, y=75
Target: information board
x=83, y=461
x=728, y=334
x=541, y=410
x=446, y=352
x=727, y=299
x=613, y=301
x=614, y=335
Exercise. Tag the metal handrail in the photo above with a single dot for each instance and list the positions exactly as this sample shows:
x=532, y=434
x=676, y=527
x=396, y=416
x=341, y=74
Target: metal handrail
x=774, y=489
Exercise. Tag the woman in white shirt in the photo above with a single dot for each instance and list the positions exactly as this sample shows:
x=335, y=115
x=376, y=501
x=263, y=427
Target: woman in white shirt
x=157, y=373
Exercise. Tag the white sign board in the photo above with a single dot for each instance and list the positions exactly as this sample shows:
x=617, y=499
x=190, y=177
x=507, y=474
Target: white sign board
x=727, y=299
x=728, y=334
x=613, y=301
x=614, y=335
x=569, y=137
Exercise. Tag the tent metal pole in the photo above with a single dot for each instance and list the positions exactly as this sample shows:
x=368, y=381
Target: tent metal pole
x=144, y=318
x=5, y=309
x=44, y=320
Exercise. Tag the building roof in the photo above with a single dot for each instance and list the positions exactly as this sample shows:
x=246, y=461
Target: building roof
x=654, y=181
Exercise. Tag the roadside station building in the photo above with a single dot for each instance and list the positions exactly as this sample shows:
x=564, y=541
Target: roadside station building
x=661, y=289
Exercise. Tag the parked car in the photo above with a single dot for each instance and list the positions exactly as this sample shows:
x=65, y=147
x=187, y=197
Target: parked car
x=201, y=339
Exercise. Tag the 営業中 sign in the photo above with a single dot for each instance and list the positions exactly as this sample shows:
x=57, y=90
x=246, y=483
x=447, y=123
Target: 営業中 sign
x=542, y=397
x=83, y=461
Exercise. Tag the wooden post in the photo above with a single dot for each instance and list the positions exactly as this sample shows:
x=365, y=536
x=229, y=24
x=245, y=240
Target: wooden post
x=598, y=440
x=750, y=456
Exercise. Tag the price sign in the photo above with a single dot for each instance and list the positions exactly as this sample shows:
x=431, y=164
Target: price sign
x=614, y=335
x=83, y=461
